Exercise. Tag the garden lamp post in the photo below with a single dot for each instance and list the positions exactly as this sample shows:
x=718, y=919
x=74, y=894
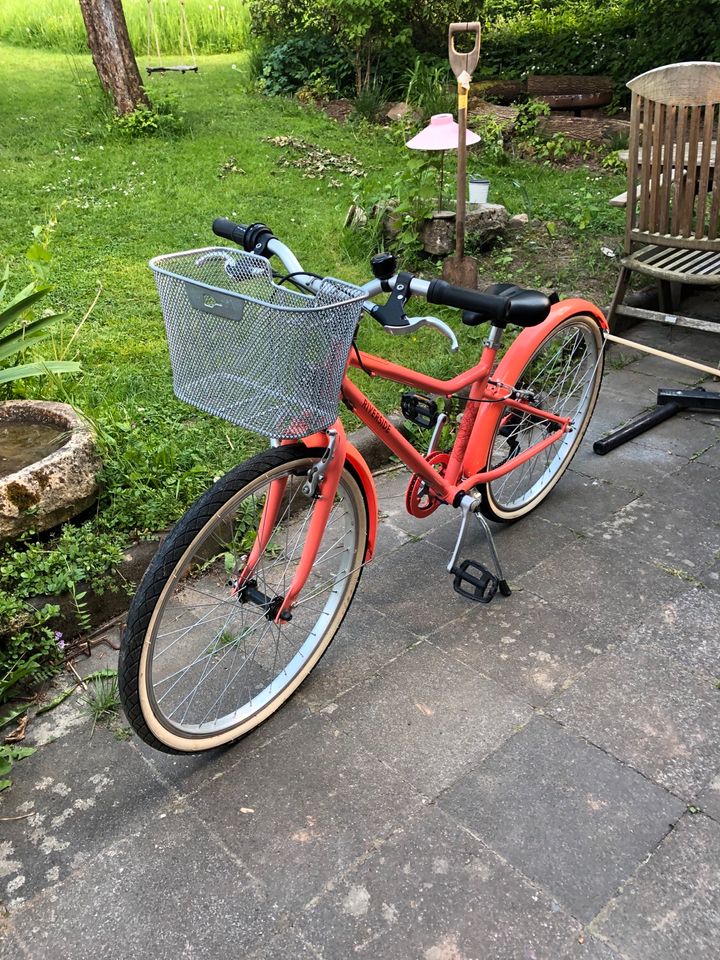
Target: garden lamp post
x=442, y=133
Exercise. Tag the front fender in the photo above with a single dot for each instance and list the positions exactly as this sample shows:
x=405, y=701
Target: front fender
x=356, y=462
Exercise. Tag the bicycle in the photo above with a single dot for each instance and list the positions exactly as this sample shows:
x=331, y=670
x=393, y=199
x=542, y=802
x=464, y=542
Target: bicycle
x=252, y=584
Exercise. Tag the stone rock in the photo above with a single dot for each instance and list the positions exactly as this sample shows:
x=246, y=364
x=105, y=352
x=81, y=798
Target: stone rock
x=58, y=486
x=437, y=234
x=398, y=111
x=485, y=222
x=518, y=221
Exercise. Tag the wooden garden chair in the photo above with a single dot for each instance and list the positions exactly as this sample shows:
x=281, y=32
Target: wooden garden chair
x=671, y=231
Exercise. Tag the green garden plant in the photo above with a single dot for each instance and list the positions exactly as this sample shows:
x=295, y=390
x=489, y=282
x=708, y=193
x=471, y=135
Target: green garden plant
x=429, y=90
x=21, y=330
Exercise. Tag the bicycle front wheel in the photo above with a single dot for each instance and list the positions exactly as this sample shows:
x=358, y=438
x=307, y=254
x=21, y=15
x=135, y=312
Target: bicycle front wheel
x=202, y=664
x=562, y=376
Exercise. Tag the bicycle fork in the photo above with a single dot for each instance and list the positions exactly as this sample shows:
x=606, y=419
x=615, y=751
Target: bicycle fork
x=321, y=484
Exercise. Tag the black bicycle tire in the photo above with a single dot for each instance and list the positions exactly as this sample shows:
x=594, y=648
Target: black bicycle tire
x=198, y=516
x=486, y=504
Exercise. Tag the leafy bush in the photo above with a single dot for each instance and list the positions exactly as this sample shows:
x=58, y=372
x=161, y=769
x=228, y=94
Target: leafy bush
x=293, y=65
x=493, y=135
x=373, y=38
x=620, y=38
x=160, y=118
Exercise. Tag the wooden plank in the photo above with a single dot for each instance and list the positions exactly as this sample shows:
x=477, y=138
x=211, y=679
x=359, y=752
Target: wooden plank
x=679, y=174
x=691, y=175
x=683, y=361
x=656, y=165
x=645, y=170
x=633, y=147
x=669, y=319
x=663, y=223
x=667, y=240
x=704, y=177
x=714, y=209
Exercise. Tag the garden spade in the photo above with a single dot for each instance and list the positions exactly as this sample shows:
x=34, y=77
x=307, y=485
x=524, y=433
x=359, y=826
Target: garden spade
x=460, y=269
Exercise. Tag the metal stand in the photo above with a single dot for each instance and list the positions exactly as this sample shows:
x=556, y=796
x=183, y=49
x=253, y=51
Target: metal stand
x=482, y=584
x=669, y=402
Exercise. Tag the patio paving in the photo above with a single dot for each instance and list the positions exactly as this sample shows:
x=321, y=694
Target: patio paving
x=534, y=780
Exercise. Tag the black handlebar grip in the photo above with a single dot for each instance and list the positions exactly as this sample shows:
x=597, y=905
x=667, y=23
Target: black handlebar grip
x=448, y=295
x=229, y=230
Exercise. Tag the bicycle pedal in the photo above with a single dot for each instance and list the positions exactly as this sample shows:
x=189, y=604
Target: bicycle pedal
x=419, y=409
x=483, y=587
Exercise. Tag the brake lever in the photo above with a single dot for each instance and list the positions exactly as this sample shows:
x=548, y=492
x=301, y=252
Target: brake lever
x=413, y=324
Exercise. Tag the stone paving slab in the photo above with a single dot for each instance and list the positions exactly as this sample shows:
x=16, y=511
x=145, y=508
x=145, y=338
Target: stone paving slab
x=520, y=545
x=611, y=588
x=635, y=466
x=686, y=628
x=613, y=410
x=532, y=647
x=711, y=577
x=433, y=891
x=315, y=801
x=10, y=948
x=633, y=386
x=645, y=710
x=429, y=717
x=413, y=585
x=368, y=640
x=711, y=455
x=693, y=488
x=570, y=817
x=674, y=539
x=169, y=891
x=709, y=799
x=665, y=373
x=579, y=502
x=671, y=909
x=77, y=796
x=285, y=946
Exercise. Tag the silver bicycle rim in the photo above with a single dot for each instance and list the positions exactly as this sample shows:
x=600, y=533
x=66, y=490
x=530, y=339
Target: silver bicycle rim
x=212, y=664
x=561, y=379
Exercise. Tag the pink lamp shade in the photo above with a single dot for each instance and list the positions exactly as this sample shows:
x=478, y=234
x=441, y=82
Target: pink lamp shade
x=442, y=133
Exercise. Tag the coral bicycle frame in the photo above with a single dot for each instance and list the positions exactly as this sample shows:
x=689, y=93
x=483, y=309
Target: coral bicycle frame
x=488, y=399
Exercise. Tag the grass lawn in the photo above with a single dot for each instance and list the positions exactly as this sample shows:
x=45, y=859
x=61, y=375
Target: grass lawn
x=120, y=201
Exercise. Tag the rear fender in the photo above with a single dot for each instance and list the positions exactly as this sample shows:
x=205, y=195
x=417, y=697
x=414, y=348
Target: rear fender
x=510, y=368
x=356, y=462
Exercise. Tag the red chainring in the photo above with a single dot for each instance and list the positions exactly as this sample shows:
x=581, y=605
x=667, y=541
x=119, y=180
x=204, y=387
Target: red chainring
x=420, y=501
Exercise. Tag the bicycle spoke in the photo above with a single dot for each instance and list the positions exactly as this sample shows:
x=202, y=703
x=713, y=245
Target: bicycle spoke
x=219, y=658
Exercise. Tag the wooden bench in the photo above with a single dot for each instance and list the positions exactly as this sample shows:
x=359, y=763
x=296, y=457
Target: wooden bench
x=672, y=231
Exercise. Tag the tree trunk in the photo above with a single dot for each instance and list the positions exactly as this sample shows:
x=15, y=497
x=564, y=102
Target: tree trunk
x=112, y=53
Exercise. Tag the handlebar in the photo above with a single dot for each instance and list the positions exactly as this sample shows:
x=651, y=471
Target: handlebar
x=499, y=310
x=493, y=307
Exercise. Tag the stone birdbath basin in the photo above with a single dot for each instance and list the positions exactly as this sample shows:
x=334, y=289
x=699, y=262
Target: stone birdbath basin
x=48, y=466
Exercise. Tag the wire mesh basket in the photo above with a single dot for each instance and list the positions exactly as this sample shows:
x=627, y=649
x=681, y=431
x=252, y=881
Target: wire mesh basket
x=265, y=357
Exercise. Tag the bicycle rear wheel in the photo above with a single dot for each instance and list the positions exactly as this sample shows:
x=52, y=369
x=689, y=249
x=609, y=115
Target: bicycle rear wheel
x=202, y=665
x=562, y=376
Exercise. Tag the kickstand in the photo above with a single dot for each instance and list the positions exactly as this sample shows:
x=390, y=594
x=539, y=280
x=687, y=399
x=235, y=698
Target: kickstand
x=483, y=585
